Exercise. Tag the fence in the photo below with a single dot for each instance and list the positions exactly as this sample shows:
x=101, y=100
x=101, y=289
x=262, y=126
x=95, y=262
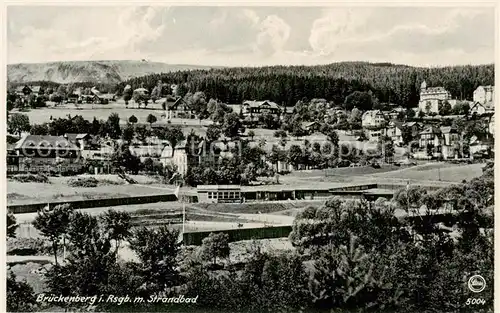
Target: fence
x=93, y=203
x=196, y=238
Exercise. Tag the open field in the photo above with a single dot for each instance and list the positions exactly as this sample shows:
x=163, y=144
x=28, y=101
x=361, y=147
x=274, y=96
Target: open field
x=433, y=174
x=102, y=111
x=335, y=177
x=437, y=172
x=344, y=171
x=58, y=189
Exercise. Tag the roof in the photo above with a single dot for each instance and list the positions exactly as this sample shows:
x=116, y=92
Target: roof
x=308, y=124
x=175, y=103
x=218, y=187
x=95, y=91
x=371, y=114
x=45, y=141
x=487, y=88
x=72, y=136
x=220, y=144
x=487, y=105
x=410, y=124
x=167, y=150
x=141, y=90
x=434, y=90
x=32, y=88
x=106, y=96
x=396, y=124
x=431, y=130
x=257, y=104
x=399, y=109
x=447, y=129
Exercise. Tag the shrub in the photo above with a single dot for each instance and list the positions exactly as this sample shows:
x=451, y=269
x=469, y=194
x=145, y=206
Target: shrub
x=216, y=245
x=31, y=178
x=88, y=181
x=83, y=182
x=110, y=182
x=20, y=295
x=28, y=246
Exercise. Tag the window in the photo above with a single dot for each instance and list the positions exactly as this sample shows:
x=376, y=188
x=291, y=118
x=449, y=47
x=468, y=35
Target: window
x=210, y=195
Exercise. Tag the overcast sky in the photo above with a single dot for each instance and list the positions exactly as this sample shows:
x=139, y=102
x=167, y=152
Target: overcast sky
x=243, y=36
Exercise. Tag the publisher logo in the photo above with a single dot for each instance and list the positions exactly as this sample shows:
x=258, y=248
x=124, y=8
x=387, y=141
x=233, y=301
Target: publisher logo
x=476, y=283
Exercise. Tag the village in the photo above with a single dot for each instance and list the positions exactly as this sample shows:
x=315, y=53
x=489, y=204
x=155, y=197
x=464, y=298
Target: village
x=175, y=134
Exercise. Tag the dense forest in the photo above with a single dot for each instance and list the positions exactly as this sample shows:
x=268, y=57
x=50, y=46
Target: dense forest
x=390, y=83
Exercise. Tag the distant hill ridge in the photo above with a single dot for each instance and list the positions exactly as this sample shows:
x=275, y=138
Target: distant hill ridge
x=105, y=72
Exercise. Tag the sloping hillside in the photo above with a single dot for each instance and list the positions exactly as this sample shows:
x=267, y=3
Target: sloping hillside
x=390, y=83
x=107, y=72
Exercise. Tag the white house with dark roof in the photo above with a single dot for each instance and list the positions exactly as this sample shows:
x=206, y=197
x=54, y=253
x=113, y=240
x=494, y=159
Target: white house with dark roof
x=28, y=90
x=480, y=108
x=176, y=156
x=182, y=156
x=430, y=135
x=394, y=130
x=176, y=107
x=311, y=126
x=373, y=123
x=80, y=140
x=373, y=119
x=451, y=136
x=445, y=140
x=260, y=107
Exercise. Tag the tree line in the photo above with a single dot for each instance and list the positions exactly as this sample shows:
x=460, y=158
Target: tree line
x=287, y=84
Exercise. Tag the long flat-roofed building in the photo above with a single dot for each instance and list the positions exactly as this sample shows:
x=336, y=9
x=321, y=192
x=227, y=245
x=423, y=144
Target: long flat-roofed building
x=219, y=193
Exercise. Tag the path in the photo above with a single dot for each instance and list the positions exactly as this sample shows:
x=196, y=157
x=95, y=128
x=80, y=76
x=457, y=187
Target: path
x=30, y=258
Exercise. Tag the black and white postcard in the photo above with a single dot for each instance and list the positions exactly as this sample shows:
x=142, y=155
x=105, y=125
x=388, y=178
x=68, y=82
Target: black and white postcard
x=250, y=158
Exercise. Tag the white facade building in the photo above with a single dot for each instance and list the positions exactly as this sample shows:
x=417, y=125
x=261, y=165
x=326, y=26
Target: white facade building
x=432, y=97
x=179, y=158
x=484, y=94
x=373, y=119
